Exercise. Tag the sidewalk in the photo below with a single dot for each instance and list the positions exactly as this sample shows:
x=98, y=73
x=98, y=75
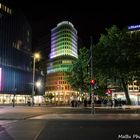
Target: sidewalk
x=20, y=112
x=101, y=113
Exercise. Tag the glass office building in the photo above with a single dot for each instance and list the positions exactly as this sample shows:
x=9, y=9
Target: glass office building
x=63, y=54
x=15, y=55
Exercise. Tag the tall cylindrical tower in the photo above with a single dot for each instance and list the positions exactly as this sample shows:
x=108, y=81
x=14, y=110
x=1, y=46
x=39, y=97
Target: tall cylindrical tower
x=63, y=54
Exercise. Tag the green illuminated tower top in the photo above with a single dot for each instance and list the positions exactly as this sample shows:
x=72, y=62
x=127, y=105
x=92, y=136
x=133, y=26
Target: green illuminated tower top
x=63, y=47
x=64, y=40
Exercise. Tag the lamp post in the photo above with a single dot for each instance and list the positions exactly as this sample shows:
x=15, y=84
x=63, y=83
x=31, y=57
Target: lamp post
x=35, y=56
x=38, y=85
x=92, y=81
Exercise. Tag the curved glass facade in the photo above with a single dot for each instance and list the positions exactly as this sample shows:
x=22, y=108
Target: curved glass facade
x=63, y=54
x=64, y=40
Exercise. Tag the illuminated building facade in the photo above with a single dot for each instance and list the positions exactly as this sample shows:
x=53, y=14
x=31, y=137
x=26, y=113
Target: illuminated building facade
x=63, y=54
x=15, y=56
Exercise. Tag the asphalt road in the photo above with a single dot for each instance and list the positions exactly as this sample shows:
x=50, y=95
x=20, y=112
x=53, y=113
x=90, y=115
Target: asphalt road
x=88, y=130
x=36, y=123
x=71, y=130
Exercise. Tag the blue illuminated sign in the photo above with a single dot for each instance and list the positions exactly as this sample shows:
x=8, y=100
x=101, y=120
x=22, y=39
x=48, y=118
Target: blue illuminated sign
x=133, y=27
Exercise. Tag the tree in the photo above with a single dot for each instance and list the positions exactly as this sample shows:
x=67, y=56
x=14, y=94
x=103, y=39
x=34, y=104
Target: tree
x=79, y=78
x=116, y=56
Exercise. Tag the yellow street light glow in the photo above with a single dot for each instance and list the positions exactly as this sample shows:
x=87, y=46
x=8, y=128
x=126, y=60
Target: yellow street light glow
x=37, y=55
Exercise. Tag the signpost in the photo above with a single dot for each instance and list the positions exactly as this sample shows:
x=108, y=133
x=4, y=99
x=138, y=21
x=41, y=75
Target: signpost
x=92, y=81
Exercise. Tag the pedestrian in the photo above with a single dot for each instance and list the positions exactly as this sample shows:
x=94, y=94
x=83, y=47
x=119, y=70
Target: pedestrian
x=72, y=103
x=111, y=103
x=79, y=102
x=85, y=102
x=13, y=101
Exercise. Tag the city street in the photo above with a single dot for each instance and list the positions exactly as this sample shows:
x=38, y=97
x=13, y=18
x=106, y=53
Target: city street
x=68, y=129
x=69, y=71
x=66, y=123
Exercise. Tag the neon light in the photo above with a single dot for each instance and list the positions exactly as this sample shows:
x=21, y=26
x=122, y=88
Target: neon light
x=0, y=77
x=133, y=27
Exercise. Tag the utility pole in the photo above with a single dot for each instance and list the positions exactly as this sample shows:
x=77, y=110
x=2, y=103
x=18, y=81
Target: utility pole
x=33, y=87
x=92, y=77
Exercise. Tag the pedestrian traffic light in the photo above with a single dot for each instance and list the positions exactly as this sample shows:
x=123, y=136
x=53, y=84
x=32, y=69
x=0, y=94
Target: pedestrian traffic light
x=108, y=91
x=92, y=81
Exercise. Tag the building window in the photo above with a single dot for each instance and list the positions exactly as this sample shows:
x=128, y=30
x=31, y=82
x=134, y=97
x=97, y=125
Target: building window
x=2, y=7
x=135, y=88
x=135, y=83
x=10, y=12
x=130, y=88
x=5, y=8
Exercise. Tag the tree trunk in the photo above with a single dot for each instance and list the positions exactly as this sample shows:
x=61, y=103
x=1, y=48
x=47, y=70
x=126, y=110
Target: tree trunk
x=126, y=92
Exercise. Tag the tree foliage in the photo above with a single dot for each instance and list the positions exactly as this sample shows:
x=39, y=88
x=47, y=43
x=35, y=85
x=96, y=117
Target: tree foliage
x=79, y=78
x=117, y=56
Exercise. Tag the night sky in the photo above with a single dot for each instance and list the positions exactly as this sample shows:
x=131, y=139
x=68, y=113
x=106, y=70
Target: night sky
x=90, y=19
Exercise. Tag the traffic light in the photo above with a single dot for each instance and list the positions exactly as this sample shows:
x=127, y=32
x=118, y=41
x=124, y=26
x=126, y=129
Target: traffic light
x=108, y=92
x=92, y=81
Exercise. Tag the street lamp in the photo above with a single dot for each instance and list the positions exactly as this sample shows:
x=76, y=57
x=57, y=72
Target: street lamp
x=38, y=84
x=35, y=56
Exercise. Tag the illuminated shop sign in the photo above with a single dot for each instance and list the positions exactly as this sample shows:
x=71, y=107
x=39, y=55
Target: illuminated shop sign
x=133, y=27
x=0, y=77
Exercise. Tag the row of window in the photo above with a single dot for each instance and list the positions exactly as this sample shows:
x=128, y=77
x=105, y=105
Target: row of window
x=63, y=52
x=61, y=62
x=65, y=69
x=133, y=88
x=69, y=52
x=52, y=88
x=63, y=44
x=61, y=34
x=54, y=82
x=73, y=54
x=60, y=66
x=64, y=39
x=67, y=27
x=135, y=34
x=134, y=84
x=55, y=49
x=57, y=74
x=5, y=8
